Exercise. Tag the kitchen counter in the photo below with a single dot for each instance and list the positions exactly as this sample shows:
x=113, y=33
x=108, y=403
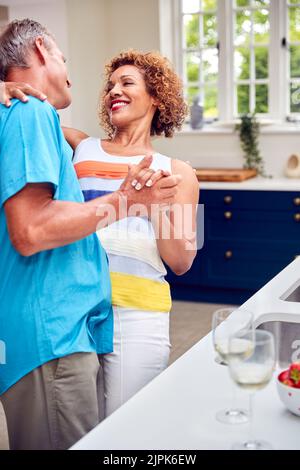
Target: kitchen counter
x=255, y=184
x=268, y=303
x=177, y=409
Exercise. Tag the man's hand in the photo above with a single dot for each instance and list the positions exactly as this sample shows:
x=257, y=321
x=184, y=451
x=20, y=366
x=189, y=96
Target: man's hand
x=9, y=90
x=148, y=187
x=141, y=175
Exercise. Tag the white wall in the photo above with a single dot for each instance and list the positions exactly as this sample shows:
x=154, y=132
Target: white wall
x=132, y=24
x=3, y=16
x=86, y=21
x=51, y=13
x=210, y=150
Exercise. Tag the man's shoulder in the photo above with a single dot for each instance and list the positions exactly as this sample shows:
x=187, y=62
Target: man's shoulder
x=35, y=120
x=32, y=107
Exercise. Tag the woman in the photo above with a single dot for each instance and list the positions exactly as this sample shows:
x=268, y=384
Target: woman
x=142, y=98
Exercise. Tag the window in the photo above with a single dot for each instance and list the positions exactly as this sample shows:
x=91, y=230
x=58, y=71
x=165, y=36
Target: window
x=200, y=53
x=238, y=56
x=293, y=44
x=251, y=46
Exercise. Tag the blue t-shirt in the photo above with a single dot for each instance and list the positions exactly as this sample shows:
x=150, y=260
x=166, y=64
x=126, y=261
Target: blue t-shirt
x=58, y=301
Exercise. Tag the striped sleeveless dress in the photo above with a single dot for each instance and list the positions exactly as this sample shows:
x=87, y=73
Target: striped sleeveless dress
x=137, y=272
x=140, y=294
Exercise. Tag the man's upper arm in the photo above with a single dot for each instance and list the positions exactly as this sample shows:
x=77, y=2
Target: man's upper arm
x=29, y=149
x=25, y=210
x=29, y=201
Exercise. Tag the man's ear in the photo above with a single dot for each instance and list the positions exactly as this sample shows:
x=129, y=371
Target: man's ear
x=41, y=50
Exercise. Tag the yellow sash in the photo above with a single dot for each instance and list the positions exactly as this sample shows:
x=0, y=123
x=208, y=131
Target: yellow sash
x=140, y=293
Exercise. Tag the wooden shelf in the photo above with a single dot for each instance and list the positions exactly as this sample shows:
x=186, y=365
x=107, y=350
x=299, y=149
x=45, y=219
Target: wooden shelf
x=224, y=174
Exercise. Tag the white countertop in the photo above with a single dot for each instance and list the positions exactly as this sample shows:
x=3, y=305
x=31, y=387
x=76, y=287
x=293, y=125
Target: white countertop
x=177, y=409
x=255, y=184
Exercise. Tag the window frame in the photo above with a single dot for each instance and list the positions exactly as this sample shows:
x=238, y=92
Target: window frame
x=287, y=64
x=199, y=50
x=252, y=81
x=171, y=46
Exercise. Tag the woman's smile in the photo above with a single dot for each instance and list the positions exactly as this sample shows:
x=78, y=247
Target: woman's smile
x=118, y=104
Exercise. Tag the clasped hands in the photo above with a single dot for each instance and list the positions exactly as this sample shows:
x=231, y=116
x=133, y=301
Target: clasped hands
x=142, y=185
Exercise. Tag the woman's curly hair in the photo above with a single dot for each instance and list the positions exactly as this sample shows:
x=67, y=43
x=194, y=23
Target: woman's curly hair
x=161, y=82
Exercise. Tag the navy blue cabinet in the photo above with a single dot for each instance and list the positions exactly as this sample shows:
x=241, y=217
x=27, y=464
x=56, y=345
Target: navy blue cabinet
x=249, y=237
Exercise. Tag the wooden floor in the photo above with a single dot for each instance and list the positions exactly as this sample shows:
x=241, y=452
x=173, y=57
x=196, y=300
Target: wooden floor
x=189, y=322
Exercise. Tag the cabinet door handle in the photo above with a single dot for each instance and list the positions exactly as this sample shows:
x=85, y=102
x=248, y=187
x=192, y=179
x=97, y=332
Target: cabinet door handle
x=297, y=201
x=228, y=200
x=228, y=215
x=297, y=217
x=228, y=254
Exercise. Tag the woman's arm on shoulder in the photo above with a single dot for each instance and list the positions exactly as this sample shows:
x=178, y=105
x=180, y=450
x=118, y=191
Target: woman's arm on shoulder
x=74, y=136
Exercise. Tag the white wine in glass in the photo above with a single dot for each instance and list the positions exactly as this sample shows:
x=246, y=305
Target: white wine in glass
x=252, y=377
x=225, y=323
x=252, y=373
x=240, y=347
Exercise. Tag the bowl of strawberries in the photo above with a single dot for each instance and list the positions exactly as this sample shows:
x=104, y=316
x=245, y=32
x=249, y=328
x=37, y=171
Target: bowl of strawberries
x=288, y=386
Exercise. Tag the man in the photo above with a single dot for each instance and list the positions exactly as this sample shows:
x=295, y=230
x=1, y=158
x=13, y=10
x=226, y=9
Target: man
x=55, y=293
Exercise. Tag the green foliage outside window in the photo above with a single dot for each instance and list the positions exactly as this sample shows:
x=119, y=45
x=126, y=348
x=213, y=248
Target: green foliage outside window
x=242, y=71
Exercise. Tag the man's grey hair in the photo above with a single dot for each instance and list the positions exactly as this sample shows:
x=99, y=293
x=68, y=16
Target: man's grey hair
x=17, y=41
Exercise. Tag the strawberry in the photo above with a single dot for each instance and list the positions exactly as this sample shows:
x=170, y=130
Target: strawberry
x=285, y=375
x=294, y=373
x=289, y=383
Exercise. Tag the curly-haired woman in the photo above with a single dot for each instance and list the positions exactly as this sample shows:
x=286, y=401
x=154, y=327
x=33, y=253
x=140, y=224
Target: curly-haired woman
x=142, y=97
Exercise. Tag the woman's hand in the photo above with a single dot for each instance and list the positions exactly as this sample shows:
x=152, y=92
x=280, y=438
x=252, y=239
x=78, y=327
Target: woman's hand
x=147, y=187
x=148, y=177
x=9, y=90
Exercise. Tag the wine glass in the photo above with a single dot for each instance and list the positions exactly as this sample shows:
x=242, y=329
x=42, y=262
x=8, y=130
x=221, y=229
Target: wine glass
x=226, y=322
x=252, y=372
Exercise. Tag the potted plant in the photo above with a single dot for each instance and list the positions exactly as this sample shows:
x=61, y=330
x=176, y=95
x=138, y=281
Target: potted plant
x=249, y=129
